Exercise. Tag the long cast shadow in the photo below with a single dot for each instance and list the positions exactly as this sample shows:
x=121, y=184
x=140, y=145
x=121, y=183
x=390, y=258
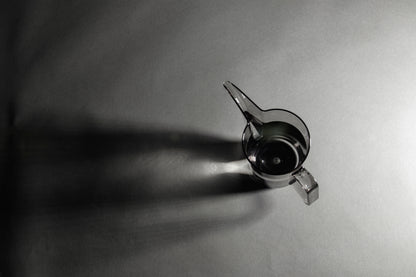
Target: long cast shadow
x=100, y=195
x=76, y=170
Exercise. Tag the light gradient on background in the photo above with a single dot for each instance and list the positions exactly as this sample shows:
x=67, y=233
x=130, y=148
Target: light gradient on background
x=347, y=68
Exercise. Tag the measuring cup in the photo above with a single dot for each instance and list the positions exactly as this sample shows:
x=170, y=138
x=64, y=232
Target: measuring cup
x=276, y=143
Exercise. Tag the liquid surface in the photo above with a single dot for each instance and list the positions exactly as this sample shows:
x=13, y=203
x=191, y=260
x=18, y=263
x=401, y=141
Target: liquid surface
x=279, y=149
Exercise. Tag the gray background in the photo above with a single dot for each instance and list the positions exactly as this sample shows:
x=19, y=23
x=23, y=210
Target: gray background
x=140, y=77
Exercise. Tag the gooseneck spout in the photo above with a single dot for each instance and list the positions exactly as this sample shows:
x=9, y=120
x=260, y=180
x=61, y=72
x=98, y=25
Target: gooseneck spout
x=250, y=110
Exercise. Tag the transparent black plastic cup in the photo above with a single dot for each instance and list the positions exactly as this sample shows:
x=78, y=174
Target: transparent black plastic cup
x=276, y=143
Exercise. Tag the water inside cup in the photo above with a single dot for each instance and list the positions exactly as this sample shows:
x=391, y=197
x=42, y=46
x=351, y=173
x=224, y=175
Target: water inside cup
x=278, y=150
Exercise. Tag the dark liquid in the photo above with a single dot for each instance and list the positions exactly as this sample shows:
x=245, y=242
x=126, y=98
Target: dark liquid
x=279, y=149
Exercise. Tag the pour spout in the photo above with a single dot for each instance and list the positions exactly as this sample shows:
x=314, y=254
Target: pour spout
x=250, y=110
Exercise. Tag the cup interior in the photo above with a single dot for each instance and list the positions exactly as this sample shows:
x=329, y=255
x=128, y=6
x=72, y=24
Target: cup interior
x=280, y=145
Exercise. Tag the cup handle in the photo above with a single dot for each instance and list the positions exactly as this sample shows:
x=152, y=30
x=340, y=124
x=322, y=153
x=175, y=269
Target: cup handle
x=306, y=186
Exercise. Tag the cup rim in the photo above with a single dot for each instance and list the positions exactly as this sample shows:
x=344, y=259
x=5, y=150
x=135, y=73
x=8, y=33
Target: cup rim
x=307, y=150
